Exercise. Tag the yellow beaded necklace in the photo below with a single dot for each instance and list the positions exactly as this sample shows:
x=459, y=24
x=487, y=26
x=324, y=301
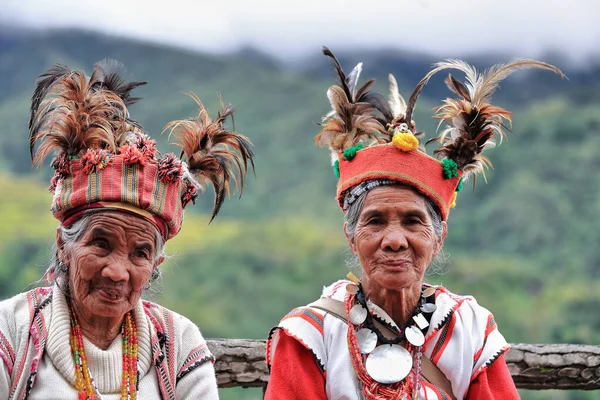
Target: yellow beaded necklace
x=84, y=382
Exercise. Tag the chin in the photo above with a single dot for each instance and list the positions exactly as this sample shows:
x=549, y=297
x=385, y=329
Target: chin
x=395, y=280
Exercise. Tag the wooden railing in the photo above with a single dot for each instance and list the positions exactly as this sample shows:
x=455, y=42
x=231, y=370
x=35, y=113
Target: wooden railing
x=241, y=362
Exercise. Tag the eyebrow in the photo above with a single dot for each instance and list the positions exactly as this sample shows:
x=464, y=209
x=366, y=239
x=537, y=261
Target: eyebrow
x=99, y=232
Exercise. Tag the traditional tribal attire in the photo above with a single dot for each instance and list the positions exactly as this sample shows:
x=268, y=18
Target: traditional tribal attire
x=317, y=352
x=463, y=341
x=173, y=362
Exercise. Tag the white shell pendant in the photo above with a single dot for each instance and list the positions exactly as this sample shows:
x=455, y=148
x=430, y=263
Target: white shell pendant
x=358, y=314
x=414, y=336
x=389, y=364
x=428, y=292
x=351, y=288
x=367, y=340
x=428, y=308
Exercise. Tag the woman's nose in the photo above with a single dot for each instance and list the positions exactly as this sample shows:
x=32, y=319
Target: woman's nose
x=115, y=270
x=394, y=240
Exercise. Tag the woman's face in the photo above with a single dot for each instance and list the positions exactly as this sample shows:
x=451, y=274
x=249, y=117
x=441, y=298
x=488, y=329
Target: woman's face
x=110, y=264
x=394, y=237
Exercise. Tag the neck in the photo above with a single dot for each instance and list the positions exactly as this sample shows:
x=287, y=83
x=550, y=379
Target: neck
x=101, y=331
x=399, y=304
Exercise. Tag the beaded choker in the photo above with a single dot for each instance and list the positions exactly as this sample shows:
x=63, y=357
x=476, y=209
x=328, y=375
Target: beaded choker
x=381, y=364
x=83, y=380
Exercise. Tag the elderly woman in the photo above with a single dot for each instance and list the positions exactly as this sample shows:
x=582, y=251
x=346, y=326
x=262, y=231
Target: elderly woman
x=389, y=335
x=90, y=335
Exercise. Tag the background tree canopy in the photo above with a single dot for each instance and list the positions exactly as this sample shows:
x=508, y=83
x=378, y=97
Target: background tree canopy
x=525, y=245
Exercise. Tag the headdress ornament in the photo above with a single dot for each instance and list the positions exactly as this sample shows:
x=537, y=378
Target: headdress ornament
x=373, y=140
x=104, y=159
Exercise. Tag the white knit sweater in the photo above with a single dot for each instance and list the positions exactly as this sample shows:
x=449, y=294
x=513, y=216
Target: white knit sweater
x=56, y=374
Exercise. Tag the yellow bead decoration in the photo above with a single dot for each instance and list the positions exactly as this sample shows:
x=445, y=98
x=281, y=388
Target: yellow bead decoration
x=453, y=201
x=405, y=141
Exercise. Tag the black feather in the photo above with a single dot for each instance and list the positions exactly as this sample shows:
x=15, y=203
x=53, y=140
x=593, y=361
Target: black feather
x=43, y=85
x=457, y=87
x=107, y=74
x=340, y=72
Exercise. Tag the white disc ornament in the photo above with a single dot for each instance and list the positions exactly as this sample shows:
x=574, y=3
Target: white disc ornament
x=367, y=340
x=358, y=314
x=414, y=336
x=429, y=291
x=428, y=308
x=389, y=363
x=351, y=288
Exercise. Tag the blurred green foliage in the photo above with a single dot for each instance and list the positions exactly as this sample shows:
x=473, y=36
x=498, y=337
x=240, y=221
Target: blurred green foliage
x=525, y=245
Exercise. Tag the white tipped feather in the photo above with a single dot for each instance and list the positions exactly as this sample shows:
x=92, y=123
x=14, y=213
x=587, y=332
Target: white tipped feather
x=396, y=101
x=352, y=79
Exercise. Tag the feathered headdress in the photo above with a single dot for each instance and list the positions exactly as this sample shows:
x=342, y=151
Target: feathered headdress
x=375, y=142
x=104, y=159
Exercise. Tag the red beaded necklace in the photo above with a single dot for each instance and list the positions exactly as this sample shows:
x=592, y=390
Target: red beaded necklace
x=370, y=387
x=84, y=382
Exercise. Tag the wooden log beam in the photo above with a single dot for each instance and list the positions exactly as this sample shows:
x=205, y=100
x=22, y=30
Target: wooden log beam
x=555, y=366
x=240, y=362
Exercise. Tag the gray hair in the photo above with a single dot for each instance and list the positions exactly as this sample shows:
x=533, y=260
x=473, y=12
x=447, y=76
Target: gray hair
x=56, y=271
x=353, y=214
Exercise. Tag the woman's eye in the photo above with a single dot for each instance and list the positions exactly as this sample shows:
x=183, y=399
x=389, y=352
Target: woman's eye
x=142, y=254
x=374, y=221
x=100, y=243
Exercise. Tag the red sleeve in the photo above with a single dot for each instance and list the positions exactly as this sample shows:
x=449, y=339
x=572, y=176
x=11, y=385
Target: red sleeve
x=295, y=374
x=494, y=383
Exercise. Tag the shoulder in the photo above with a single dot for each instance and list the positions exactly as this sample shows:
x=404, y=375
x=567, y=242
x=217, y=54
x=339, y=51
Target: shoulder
x=189, y=346
x=173, y=322
x=310, y=326
x=462, y=328
x=16, y=317
x=19, y=309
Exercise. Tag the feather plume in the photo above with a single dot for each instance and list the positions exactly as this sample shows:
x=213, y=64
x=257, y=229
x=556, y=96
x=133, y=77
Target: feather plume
x=212, y=153
x=474, y=124
x=43, y=85
x=396, y=101
x=350, y=123
x=107, y=75
x=343, y=80
x=357, y=114
x=72, y=117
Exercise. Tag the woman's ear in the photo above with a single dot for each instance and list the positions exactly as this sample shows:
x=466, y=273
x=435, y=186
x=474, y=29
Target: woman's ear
x=60, y=247
x=350, y=239
x=440, y=242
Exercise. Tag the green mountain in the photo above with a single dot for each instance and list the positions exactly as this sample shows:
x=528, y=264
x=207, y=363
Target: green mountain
x=524, y=244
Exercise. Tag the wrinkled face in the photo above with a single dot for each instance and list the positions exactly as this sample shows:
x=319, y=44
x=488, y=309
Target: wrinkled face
x=110, y=264
x=394, y=238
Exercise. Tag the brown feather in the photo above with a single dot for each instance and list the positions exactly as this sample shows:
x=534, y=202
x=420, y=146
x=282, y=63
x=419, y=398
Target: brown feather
x=213, y=154
x=72, y=118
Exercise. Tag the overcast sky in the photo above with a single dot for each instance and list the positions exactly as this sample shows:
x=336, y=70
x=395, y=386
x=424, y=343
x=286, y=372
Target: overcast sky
x=293, y=28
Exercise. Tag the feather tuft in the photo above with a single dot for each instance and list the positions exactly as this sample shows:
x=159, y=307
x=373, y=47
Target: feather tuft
x=213, y=154
x=473, y=124
x=70, y=116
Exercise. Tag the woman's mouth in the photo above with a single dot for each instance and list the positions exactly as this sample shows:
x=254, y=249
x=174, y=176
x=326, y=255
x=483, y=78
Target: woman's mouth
x=396, y=263
x=110, y=295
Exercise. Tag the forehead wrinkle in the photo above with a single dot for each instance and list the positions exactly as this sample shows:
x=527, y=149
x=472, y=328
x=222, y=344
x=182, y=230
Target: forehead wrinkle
x=131, y=228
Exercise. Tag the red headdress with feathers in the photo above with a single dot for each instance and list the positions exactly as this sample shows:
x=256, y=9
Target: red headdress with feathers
x=104, y=159
x=374, y=141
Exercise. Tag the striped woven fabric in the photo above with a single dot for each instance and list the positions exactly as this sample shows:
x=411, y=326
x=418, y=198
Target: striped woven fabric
x=126, y=186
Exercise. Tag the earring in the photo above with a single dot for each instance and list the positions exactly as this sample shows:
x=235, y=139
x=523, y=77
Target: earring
x=62, y=267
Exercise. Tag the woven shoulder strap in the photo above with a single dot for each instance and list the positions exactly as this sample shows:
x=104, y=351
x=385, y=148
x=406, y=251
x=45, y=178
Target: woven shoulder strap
x=429, y=370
